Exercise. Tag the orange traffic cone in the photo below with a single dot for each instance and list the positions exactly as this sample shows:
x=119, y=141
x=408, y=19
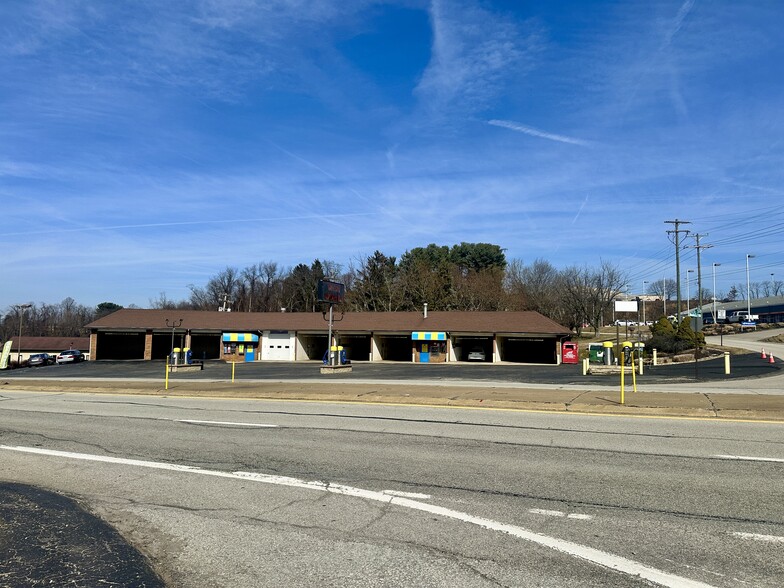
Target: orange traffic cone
x=771, y=360
x=763, y=354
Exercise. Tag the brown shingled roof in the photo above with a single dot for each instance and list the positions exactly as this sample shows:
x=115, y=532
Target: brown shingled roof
x=51, y=343
x=198, y=320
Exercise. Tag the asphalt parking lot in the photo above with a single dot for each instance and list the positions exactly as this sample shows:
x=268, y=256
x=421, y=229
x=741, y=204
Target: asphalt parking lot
x=743, y=366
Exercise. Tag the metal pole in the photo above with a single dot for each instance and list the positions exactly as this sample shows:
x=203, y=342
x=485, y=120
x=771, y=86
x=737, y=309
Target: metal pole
x=714, y=292
x=748, y=287
x=22, y=308
x=664, y=295
x=643, y=304
x=329, y=340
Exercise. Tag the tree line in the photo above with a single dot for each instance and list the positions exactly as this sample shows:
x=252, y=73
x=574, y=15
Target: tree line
x=461, y=277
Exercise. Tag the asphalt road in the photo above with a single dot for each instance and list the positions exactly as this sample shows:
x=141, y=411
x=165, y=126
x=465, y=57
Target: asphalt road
x=266, y=493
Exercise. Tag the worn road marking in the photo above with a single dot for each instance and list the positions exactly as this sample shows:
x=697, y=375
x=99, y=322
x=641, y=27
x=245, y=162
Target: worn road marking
x=602, y=558
x=225, y=423
x=758, y=537
x=748, y=458
x=406, y=494
x=558, y=513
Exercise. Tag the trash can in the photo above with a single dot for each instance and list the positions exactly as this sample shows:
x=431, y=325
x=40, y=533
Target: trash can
x=342, y=355
x=595, y=352
x=175, y=358
x=608, y=352
x=188, y=355
x=569, y=352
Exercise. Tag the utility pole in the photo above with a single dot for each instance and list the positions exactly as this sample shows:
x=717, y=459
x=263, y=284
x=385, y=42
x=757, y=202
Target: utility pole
x=677, y=232
x=699, y=248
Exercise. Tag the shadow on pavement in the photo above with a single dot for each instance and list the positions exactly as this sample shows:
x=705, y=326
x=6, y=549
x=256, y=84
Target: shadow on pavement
x=48, y=540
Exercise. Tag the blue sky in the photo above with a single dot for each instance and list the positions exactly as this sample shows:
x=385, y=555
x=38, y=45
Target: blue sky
x=147, y=145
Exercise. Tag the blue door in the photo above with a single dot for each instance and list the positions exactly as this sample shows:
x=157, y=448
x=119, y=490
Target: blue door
x=424, y=354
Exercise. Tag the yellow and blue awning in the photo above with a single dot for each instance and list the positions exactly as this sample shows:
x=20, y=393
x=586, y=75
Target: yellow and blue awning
x=240, y=338
x=428, y=336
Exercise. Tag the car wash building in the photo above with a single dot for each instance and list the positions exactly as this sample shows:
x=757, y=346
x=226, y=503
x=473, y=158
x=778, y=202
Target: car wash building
x=438, y=337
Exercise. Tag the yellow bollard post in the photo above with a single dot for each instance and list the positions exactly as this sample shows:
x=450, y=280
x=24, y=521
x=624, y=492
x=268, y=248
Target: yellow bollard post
x=166, y=386
x=232, y=371
x=654, y=357
x=726, y=363
x=622, y=374
x=585, y=367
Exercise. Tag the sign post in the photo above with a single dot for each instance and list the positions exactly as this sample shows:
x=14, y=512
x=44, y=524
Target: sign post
x=332, y=293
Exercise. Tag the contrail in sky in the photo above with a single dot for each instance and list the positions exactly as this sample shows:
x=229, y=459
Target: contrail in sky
x=537, y=133
x=576, y=216
x=186, y=223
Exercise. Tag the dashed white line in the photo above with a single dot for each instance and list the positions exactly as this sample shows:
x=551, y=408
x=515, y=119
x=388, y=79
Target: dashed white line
x=596, y=556
x=758, y=537
x=558, y=513
x=750, y=458
x=225, y=423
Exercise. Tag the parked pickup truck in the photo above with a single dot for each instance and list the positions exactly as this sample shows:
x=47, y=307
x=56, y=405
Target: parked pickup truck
x=742, y=316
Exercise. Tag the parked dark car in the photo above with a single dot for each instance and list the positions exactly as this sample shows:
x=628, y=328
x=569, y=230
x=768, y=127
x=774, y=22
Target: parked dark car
x=39, y=359
x=70, y=356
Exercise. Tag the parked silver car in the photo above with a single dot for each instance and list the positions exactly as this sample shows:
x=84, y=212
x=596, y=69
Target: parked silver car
x=477, y=354
x=39, y=359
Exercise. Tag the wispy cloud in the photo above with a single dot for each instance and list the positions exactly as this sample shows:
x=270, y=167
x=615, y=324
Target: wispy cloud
x=683, y=12
x=474, y=51
x=507, y=124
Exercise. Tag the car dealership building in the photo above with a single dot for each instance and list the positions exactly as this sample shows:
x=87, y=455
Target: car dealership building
x=435, y=337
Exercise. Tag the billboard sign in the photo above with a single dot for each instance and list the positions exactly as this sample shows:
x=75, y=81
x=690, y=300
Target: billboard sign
x=625, y=306
x=332, y=292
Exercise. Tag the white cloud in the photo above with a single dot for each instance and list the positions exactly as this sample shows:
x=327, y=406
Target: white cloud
x=538, y=133
x=474, y=51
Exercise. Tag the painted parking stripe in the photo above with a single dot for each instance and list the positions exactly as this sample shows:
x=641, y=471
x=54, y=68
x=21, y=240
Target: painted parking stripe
x=596, y=556
x=750, y=458
x=224, y=423
x=758, y=537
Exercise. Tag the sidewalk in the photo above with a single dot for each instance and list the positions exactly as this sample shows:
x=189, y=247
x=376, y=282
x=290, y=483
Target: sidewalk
x=696, y=400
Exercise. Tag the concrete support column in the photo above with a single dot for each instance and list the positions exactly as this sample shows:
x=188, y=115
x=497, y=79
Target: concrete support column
x=93, y=345
x=375, y=351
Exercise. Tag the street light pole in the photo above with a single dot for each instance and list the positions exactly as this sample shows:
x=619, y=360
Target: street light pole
x=688, y=294
x=643, y=301
x=174, y=324
x=714, y=292
x=21, y=308
x=748, y=286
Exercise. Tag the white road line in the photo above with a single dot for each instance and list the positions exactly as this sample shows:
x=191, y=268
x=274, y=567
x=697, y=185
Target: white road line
x=757, y=537
x=225, y=423
x=602, y=558
x=406, y=494
x=548, y=513
x=748, y=458
x=558, y=513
